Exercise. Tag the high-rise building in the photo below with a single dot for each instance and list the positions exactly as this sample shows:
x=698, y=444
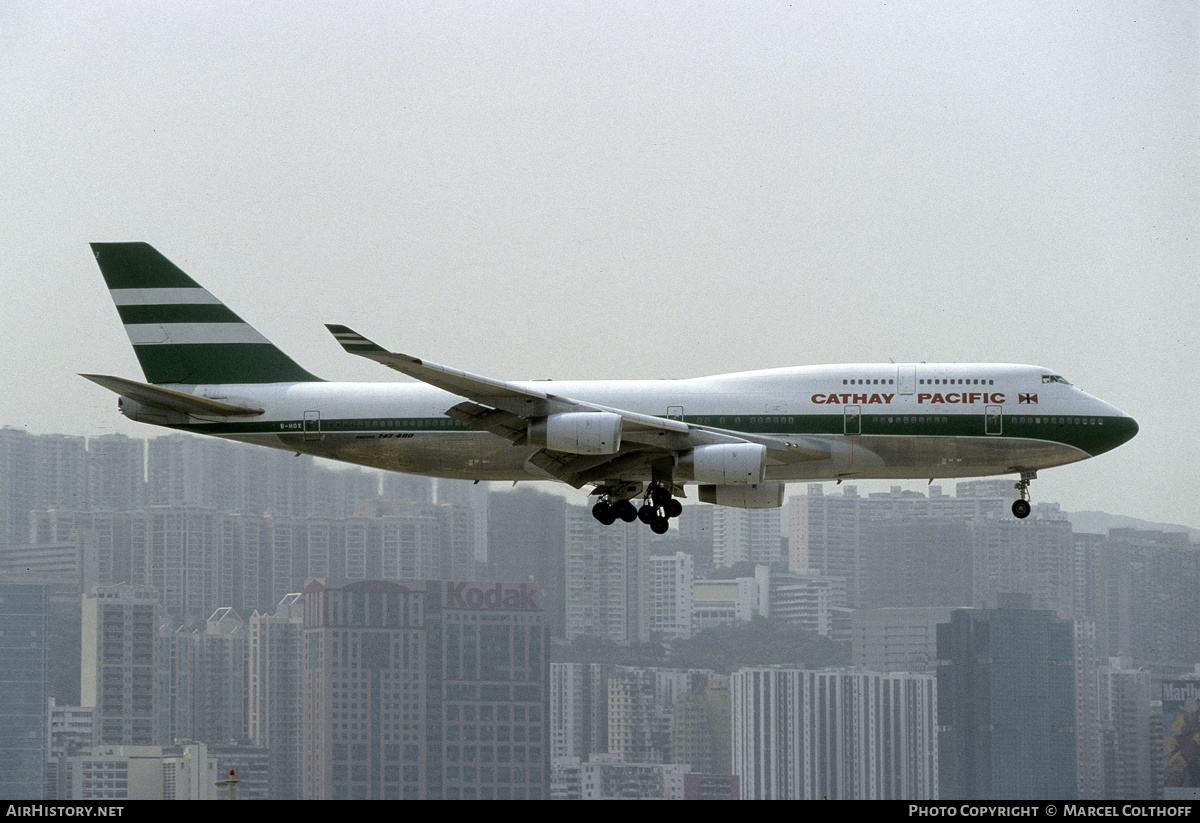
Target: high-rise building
x=578, y=709
x=640, y=714
x=1144, y=594
x=916, y=560
x=693, y=534
x=841, y=735
x=527, y=541
x=409, y=488
x=1089, y=759
x=116, y=473
x=23, y=690
x=637, y=726
x=275, y=689
x=203, y=559
x=809, y=600
x=183, y=470
x=670, y=594
x=746, y=536
x=608, y=777
x=424, y=690
x=71, y=730
x=1034, y=556
x=606, y=579
x=203, y=690
x=901, y=548
x=1006, y=702
x=184, y=558
x=38, y=472
x=722, y=602
x=1131, y=733
x=896, y=640
x=119, y=663
x=184, y=771
x=471, y=496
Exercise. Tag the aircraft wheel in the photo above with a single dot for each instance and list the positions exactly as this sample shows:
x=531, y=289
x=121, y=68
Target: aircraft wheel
x=626, y=511
x=1020, y=509
x=604, y=513
x=660, y=496
x=646, y=514
x=673, y=508
x=660, y=525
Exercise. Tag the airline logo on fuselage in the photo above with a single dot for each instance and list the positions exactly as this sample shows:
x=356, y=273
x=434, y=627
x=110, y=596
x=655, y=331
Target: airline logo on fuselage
x=856, y=399
x=938, y=399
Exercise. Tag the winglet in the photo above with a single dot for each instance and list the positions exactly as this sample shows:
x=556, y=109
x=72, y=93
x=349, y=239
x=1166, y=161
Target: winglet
x=354, y=342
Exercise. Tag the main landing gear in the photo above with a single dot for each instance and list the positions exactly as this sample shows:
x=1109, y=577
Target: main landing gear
x=1021, y=508
x=657, y=509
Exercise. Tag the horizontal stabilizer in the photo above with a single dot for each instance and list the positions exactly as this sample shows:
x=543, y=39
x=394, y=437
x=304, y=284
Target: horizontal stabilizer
x=169, y=398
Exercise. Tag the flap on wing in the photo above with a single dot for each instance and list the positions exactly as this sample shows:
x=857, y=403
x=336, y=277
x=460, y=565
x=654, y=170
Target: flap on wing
x=483, y=418
x=169, y=398
x=580, y=469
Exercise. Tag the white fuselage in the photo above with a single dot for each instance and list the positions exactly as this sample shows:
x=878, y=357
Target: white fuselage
x=875, y=421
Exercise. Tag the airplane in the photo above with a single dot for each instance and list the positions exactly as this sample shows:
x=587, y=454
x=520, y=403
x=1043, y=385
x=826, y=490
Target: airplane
x=738, y=437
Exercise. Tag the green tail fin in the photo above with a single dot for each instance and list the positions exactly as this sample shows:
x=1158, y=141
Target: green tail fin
x=179, y=331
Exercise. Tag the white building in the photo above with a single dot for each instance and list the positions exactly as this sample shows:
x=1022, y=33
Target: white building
x=810, y=600
x=746, y=535
x=606, y=777
x=836, y=734
x=721, y=602
x=670, y=593
x=182, y=772
x=119, y=663
x=606, y=578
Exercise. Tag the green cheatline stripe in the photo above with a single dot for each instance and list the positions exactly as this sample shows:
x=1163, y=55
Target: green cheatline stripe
x=209, y=363
x=178, y=313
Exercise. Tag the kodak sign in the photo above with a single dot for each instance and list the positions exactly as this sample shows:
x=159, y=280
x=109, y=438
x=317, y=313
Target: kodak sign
x=492, y=597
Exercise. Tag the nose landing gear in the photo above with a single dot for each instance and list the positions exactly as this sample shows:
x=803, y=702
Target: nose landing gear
x=1021, y=508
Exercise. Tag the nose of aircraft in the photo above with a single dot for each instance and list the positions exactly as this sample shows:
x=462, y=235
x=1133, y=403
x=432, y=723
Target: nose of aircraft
x=1118, y=429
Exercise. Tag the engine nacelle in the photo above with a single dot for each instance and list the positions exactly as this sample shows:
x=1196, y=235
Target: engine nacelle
x=754, y=496
x=725, y=464
x=578, y=432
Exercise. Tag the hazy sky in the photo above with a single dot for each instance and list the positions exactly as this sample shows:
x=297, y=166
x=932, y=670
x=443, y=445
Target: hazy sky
x=608, y=189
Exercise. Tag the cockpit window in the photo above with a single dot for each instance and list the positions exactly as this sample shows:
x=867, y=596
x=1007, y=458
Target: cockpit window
x=1054, y=378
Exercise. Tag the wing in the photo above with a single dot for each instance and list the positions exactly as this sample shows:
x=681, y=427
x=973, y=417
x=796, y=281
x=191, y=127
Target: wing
x=509, y=409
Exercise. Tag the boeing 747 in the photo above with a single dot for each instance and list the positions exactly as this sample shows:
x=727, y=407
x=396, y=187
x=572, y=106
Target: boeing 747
x=638, y=443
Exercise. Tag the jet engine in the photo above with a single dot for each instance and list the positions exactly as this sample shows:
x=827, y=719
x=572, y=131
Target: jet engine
x=752, y=496
x=725, y=464
x=578, y=432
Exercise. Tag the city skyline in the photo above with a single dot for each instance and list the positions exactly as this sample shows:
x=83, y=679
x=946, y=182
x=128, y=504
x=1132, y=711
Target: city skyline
x=1128, y=594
